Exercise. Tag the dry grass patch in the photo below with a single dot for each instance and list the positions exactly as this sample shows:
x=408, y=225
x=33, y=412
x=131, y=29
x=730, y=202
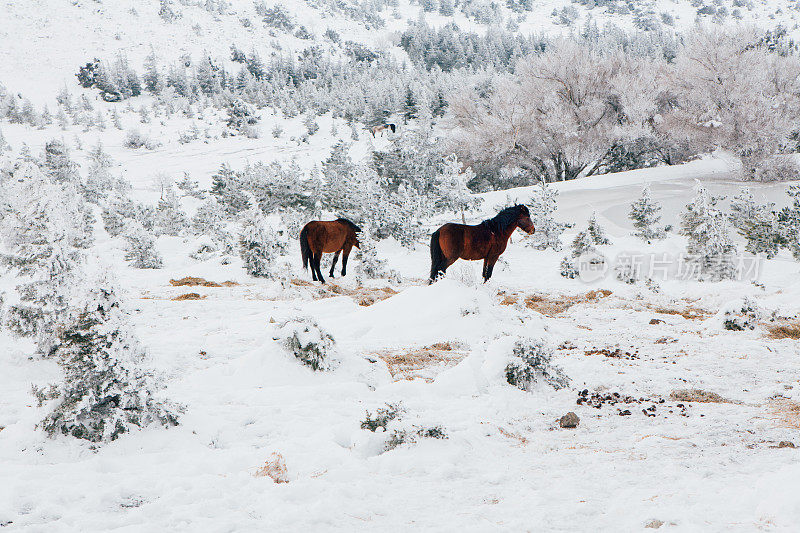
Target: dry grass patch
x=364, y=296
x=555, y=305
x=785, y=412
x=423, y=362
x=190, y=281
x=787, y=330
x=274, y=468
x=190, y=296
x=696, y=395
x=689, y=312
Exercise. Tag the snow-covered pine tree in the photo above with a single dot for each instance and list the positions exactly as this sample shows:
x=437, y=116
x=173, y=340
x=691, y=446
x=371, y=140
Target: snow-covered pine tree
x=98, y=179
x=140, y=247
x=709, y=244
x=757, y=223
x=227, y=187
x=170, y=218
x=645, y=216
x=259, y=244
x=596, y=232
x=57, y=163
x=368, y=264
x=190, y=187
x=789, y=222
x=42, y=230
x=453, y=193
x=543, y=205
x=106, y=392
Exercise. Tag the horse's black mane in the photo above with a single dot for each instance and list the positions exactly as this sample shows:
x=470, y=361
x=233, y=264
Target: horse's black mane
x=503, y=219
x=348, y=223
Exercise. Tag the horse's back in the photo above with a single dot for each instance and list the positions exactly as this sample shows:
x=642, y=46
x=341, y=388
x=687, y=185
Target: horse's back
x=325, y=236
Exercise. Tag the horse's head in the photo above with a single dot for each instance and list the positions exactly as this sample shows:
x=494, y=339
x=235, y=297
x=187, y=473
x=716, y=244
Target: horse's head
x=524, y=221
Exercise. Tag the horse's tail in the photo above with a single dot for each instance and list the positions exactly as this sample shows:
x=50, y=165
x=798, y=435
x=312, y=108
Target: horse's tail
x=438, y=260
x=305, y=249
x=392, y=127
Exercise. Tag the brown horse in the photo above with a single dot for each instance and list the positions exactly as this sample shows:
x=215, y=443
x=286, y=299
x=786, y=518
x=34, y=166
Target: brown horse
x=318, y=237
x=380, y=129
x=485, y=241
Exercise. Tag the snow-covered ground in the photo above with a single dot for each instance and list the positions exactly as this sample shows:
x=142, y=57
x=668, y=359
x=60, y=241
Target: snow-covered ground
x=505, y=464
x=645, y=457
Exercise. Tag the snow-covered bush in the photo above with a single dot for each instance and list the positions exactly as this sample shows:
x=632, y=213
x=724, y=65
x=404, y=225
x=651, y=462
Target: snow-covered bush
x=757, y=223
x=645, y=216
x=740, y=315
x=259, y=244
x=531, y=362
x=709, y=246
x=135, y=139
x=368, y=264
x=384, y=418
x=789, y=222
x=308, y=342
x=105, y=391
x=140, y=247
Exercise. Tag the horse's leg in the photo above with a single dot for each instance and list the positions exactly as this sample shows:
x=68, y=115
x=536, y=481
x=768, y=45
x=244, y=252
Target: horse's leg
x=489, y=268
x=485, y=269
x=335, y=260
x=313, y=270
x=317, y=260
x=345, y=255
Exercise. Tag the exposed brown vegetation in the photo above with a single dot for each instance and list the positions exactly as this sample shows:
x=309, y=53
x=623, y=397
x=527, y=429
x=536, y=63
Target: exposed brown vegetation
x=785, y=412
x=274, y=468
x=189, y=296
x=696, y=395
x=688, y=312
x=787, y=330
x=551, y=306
x=193, y=282
x=417, y=363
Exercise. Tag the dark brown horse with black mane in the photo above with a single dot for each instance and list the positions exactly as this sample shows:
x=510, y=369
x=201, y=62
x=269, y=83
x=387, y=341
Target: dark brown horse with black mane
x=323, y=236
x=485, y=241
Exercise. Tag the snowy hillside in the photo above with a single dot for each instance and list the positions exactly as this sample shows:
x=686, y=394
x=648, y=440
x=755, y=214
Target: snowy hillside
x=169, y=365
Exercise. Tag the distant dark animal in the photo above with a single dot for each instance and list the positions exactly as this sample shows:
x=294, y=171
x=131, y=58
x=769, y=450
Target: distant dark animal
x=380, y=129
x=485, y=241
x=334, y=236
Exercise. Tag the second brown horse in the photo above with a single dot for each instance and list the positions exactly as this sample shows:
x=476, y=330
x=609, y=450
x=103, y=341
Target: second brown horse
x=485, y=241
x=322, y=236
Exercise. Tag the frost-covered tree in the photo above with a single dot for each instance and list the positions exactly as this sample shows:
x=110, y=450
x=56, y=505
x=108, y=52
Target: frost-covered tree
x=543, y=205
x=98, y=180
x=453, y=193
x=190, y=187
x=259, y=244
x=789, y=222
x=561, y=111
x=596, y=232
x=368, y=264
x=43, y=229
x=57, y=163
x=106, y=392
x=645, y=216
x=731, y=90
x=140, y=247
x=169, y=216
x=757, y=223
x=709, y=246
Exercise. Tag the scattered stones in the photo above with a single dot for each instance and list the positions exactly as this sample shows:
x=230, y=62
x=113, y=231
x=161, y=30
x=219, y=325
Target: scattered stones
x=666, y=340
x=655, y=321
x=786, y=444
x=569, y=420
x=616, y=353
